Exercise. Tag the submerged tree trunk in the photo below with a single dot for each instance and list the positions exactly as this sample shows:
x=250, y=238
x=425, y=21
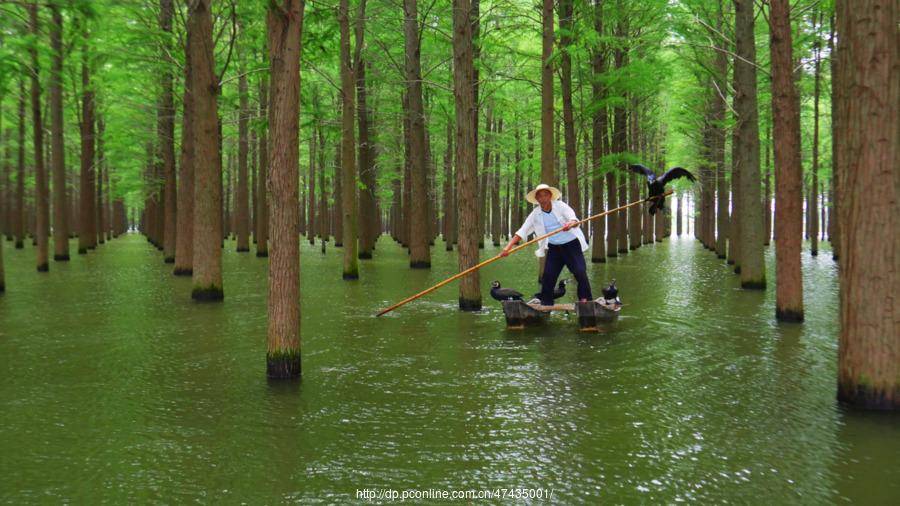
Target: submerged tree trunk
x=788, y=168
x=242, y=195
x=57, y=151
x=869, y=345
x=285, y=22
x=368, y=212
x=261, y=217
x=19, y=206
x=87, y=237
x=753, y=270
x=42, y=209
x=813, y=201
x=548, y=150
x=207, y=265
x=464, y=93
x=184, y=237
x=166, y=134
x=347, y=179
x=566, y=27
x=420, y=253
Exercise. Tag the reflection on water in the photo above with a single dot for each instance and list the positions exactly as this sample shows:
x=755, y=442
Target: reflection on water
x=117, y=388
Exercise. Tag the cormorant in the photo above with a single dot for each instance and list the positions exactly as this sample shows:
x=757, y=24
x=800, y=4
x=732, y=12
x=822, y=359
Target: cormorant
x=502, y=294
x=656, y=186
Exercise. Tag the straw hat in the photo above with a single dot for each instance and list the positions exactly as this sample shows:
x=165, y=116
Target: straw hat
x=555, y=194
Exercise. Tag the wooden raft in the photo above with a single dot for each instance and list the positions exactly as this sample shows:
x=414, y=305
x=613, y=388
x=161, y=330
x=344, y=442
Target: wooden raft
x=592, y=313
x=520, y=314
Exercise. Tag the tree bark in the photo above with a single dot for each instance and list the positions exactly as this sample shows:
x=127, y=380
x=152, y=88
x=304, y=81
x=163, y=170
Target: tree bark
x=242, y=195
x=184, y=237
x=788, y=168
x=40, y=175
x=720, y=78
x=464, y=94
x=208, y=226
x=166, y=134
x=869, y=82
x=753, y=269
x=368, y=211
x=57, y=143
x=834, y=232
x=495, y=188
x=285, y=23
x=349, y=224
x=548, y=150
x=19, y=207
x=420, y=253
x=566, y=27
x=87, y=236
x=261, y=218
x=814, y=184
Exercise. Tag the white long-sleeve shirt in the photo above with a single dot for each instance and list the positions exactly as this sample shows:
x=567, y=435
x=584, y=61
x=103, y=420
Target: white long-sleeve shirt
x=535, y=223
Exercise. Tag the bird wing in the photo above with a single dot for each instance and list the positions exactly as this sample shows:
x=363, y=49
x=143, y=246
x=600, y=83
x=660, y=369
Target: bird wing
x=675, y=173
x=640, y=169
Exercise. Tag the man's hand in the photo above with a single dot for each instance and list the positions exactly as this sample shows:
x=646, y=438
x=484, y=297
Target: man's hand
x=504, y=252
x=570, y=225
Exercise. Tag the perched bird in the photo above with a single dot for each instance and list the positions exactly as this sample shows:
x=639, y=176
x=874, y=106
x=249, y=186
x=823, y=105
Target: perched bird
x=611, y=293
x=502, y=294
x=558, y=292
x=657, y=185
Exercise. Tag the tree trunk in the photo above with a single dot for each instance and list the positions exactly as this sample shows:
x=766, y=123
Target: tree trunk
x=349, y=224
x=869, y=345
x=834, y=223
x=814, y=194
x=464, y=93
x=42, y=210
x=242, y=195
x=495, y=187
x=19, y=210
x=548, y=150
x=753, y=269
x=449, y=223
x=312, y=202
x=566, y=27
x=285, y=23
x=262, y=174
x=767, y=202
x=101, y=170
x=184, y=237
x=420, y=253
x=719, y=106
x=368, y=213
x=788, y=169
x=207, y=265
x=166, y=134
x=87, y=237
x=57, y=151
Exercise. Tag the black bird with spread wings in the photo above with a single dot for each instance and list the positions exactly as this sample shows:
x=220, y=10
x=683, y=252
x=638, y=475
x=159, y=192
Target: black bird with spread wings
x=657, y=185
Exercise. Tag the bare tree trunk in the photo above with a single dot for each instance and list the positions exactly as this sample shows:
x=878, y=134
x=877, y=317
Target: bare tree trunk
x=242, y=195
x=566, y=24
x=57, y=151
x=184, y=237
x=834, y=231
x=449, y=223
x=208, y=226
x=19, y=208
x=464, y=93
x=87, y=236
x=495, y=188
x=635, y=234
x=788, y=168
x=548, y=150
x=312, y=203
x=262, y=170
x=166, y=134
x=868, y=66
x=42, y=210
x=753, y=269
x=285, y=24
x=767, y=202
x=420, y=253
x=100, y=163
x=368, y=212
x=814, y=194
x=720, y=79
x=348, y=150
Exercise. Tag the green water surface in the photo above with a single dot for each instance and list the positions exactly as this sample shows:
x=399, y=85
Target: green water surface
x=117, y=388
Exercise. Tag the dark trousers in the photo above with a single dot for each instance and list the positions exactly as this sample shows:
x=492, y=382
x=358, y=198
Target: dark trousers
x=568, y=255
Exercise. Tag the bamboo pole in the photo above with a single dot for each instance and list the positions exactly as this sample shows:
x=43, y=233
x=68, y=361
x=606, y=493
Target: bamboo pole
x=517, y=248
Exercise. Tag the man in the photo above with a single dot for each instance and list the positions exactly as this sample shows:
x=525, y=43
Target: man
x=563, y=249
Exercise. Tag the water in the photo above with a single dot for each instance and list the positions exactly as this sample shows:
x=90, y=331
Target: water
x=118, y=388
